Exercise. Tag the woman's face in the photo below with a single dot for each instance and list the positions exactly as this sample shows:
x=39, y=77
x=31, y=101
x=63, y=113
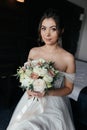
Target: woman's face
x=49, y=31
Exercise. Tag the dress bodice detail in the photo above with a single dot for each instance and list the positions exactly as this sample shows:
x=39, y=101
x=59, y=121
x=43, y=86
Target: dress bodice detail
x=60, y=79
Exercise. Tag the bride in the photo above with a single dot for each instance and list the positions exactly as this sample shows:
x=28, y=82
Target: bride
x=52, y=111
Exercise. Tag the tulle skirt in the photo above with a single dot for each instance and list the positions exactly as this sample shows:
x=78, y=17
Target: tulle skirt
x=48, y=113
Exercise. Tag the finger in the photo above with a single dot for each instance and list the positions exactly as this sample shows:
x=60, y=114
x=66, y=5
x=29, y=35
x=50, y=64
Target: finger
x=29, y=92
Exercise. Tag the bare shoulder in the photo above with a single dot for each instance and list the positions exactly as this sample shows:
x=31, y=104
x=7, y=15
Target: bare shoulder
x=34, y=49
x=67, y=56
x=69, y=59
x=33, y=52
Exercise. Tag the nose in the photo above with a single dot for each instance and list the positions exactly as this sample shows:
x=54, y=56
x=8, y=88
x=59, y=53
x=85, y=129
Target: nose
x=47, y=32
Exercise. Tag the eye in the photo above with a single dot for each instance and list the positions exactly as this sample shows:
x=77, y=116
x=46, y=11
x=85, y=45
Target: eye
x=54, y=29
x=43, y=28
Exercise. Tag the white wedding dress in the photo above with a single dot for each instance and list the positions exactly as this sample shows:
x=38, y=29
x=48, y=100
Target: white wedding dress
x=47, y=113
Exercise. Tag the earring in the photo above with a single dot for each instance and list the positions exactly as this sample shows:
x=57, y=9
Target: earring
x=60, y=41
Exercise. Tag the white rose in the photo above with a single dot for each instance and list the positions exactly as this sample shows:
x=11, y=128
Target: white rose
x=40, y=71
x=26, y=81
x=41, y=60
x=48, y=78
x=39, y=85
x=34, y=62
x=28, y=72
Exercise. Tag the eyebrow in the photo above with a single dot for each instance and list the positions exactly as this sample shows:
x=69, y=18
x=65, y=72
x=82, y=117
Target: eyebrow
x=50, y=26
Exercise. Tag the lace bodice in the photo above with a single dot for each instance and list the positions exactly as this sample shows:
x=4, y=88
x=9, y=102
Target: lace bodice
x=60, y=80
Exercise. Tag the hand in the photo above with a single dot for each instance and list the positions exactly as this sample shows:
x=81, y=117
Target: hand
x=35, y=94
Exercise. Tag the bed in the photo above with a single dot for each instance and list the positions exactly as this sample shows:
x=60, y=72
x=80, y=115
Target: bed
x=80, y=79
x=78, y=97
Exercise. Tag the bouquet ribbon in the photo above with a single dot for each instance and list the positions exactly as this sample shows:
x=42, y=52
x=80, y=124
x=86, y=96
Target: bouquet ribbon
x=32, y=107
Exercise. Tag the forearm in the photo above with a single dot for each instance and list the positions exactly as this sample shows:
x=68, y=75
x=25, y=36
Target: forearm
x=63, y=91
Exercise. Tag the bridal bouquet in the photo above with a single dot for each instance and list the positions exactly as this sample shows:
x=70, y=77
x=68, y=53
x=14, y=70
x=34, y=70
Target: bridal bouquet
x=37, y=75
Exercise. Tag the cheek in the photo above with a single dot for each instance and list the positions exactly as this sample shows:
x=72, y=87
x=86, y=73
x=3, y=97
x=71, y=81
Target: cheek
x=42, y=35
x=56, y=36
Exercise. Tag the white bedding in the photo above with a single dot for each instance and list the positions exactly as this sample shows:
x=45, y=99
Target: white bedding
x=80, y=80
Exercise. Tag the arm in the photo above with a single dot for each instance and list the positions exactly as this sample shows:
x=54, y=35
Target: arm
x=68, y=86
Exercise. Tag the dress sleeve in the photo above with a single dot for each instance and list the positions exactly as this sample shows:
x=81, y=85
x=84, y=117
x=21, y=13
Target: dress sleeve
x=70, y=77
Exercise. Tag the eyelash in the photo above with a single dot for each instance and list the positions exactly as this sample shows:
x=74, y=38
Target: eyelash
x=53, y=29
x=43, y=28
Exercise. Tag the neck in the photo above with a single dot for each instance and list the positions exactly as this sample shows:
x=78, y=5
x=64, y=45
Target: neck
x=51, y=48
